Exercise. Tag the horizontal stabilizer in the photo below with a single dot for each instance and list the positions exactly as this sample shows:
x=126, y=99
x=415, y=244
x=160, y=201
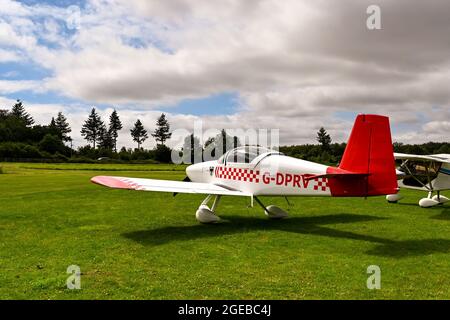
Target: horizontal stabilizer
x=338, y=173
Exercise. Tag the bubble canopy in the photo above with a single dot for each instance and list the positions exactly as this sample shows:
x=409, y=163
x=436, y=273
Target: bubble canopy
x=246, y=154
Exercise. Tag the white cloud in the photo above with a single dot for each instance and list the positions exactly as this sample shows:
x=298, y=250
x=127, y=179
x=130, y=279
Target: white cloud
x=9, y=56
x=437, y=127
x=13, y=8
x=13, y=86
x=295, y=63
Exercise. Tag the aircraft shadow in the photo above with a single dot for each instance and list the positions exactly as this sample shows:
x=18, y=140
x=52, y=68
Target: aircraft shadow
x=444, y=210
x=416, y=205
x=408, y=204
x=444, y=215
x=301, y=225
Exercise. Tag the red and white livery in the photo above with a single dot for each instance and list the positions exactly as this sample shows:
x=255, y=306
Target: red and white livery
x=367, y=169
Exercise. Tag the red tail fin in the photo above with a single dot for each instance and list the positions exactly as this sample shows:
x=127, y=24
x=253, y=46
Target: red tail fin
x=369, y=151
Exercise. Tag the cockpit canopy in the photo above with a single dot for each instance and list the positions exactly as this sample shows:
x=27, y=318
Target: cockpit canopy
x=419, y=173
x=246, y=154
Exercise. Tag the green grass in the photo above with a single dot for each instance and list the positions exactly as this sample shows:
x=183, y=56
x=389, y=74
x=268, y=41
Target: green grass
x=101, y=167
x=145, y=245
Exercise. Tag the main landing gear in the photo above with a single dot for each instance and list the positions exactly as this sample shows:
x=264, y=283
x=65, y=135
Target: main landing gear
x=273, y=212
x=393, y=198
x=206, y=214
x=431, y=200
x=428, y=202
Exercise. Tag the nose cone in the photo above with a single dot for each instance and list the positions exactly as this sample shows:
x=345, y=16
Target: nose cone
x=194, y=172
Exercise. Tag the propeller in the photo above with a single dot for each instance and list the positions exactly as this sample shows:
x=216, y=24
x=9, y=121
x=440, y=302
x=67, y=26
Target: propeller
x=186, y=179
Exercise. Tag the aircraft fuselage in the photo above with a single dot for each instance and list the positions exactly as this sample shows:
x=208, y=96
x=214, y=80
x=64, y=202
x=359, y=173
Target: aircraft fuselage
x=274, y=175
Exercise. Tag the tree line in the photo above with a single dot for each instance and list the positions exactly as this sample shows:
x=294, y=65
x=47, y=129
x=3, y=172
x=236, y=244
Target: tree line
x=331, y=153
x=21, y=138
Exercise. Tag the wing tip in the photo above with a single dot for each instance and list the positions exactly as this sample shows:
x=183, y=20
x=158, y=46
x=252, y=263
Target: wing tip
x=111, y=182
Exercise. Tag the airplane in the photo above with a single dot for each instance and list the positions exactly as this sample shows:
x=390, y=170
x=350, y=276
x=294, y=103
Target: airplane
x=423, y=172
x=367, y=169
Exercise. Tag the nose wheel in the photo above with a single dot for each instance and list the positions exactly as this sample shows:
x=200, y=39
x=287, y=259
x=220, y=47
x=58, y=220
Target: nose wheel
x=272, y=212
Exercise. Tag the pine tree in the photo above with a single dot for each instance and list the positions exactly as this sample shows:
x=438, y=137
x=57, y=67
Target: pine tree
x=53, y=129
x=105, y=140
x=161, y=133
x=92, y=128
x=115, y=125
x=18, y=111
x=324, y=138
x=63, y=127
x=52, y=124
x=139, y=133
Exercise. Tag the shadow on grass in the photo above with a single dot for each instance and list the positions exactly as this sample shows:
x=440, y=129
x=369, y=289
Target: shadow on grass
x=409, y=248
x=444, y=210
x=444, y=215
x=407, y=204
x=239, y=224
x=437, y=207
x=302, y=225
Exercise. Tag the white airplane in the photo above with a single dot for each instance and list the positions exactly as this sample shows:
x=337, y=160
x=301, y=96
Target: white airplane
x=428, y=173
x=367, y=169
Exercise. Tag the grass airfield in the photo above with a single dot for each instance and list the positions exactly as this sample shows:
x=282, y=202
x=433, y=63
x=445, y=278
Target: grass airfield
x=145, y=245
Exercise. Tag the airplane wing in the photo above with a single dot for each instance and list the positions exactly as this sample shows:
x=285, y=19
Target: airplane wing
x=164, y=186
x=436, y=158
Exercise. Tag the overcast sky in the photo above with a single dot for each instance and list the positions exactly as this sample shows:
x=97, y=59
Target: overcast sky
x=288, y=65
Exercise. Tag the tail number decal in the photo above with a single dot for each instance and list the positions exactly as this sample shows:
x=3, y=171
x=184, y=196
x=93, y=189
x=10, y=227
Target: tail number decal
x=295, y=180
x=280, y=179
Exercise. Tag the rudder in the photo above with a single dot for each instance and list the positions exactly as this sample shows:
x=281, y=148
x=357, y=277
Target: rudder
x=369, y=151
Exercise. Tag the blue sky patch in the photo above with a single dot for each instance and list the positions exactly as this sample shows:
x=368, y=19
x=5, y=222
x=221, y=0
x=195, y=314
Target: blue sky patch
x=55, y=3
x=219, y=104
x=22, y=71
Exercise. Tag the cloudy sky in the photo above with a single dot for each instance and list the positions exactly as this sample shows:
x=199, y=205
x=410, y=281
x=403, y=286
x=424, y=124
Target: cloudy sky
x=292, y=65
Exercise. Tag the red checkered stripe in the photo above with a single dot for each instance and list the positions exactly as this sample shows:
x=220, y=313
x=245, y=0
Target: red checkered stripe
x=321, y=184
x=133, y=185
x=237, y=174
